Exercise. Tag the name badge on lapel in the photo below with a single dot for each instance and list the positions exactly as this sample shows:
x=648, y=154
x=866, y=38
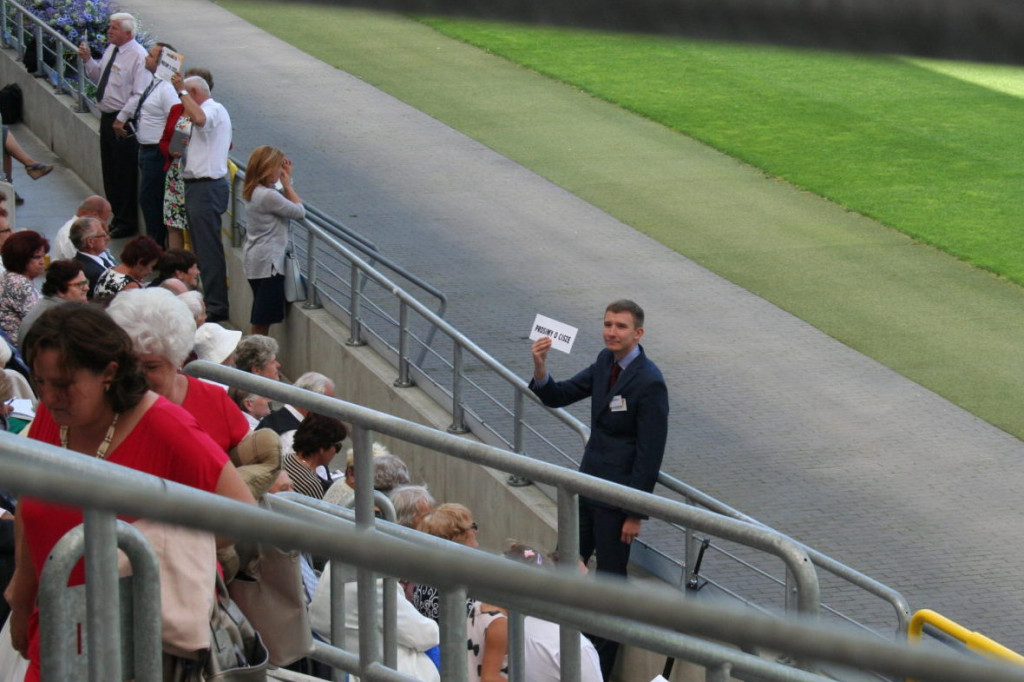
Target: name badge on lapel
x=618, y=404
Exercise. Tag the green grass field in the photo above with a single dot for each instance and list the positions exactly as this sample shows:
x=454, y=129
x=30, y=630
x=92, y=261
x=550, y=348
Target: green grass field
x=936, y=157
x=929, y=148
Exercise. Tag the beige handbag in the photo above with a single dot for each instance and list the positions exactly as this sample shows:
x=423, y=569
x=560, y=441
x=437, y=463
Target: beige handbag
x=188, y=574
x=269, y=592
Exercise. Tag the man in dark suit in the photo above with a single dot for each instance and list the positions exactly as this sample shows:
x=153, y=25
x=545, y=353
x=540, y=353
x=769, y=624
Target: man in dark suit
x=90, y=239
x=629, y=426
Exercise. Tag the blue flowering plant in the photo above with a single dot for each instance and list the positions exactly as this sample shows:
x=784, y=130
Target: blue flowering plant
x=77, y=20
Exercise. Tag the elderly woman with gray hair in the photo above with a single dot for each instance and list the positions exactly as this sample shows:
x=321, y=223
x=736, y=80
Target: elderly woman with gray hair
x=163, y=330
x=258, y=354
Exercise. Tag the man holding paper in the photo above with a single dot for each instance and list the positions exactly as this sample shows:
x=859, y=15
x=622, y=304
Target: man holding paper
x=149, y=119
x=120, y=76
x=629, y=426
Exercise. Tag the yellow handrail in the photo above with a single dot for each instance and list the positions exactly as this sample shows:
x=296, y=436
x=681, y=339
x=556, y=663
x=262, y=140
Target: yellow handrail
x=975, y=641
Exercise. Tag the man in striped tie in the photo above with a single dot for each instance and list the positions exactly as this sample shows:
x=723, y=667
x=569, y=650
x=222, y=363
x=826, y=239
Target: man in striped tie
x=120, y=77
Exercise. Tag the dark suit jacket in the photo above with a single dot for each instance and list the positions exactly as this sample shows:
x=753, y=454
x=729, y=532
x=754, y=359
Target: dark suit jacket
x=279, y=421
x=91, y=268
x=624, y=447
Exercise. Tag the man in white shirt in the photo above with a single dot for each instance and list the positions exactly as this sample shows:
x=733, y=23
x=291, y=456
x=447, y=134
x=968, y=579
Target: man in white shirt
x=120, y=77
x=206, y=187
x=93, y=206
x=149, y=119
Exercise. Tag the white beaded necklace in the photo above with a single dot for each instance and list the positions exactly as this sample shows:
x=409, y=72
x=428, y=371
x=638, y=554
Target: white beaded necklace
x=104, y=446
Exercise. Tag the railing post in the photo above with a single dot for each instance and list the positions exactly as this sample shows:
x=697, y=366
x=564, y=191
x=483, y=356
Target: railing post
x=355, y=323
x=389, y=609
x=452, y=622
x=101, y=596
x=312, y=276
x=369, y=619
x=792, y=601
x=403, y=380
x=689, y=549
x=62, y=72
x=516, y=651
x=517, y=437
x=458, y=411
x=569, y=558
x=718, y=673
x=568, y=528
x=338, y=573
x=37, y=31
x=236, y=200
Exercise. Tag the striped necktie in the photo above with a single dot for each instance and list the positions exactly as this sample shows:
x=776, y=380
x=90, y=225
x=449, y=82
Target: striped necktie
x=102, y=87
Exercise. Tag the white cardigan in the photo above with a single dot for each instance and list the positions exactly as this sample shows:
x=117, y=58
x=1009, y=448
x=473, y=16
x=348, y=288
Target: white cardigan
x=416, y=633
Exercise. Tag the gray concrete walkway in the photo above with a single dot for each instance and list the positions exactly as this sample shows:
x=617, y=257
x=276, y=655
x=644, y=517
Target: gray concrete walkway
x=768, y=414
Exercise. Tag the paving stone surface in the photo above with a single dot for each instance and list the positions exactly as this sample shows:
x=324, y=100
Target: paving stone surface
x=768, y=414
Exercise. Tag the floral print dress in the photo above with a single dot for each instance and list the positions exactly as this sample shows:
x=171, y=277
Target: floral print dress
x=17, y=295
x=174, y=187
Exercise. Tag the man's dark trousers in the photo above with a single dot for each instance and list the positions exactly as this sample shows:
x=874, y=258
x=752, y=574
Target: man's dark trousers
x=151, y=191
x=119, y=158
x=205, y=203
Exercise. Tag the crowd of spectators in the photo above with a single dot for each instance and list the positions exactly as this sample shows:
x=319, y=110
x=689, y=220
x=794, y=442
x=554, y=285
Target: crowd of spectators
x=105, y=341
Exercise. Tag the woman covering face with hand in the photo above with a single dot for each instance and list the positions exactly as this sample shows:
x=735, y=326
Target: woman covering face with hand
x=268, y=214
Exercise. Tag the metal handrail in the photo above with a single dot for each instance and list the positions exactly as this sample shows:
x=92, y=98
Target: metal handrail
x=52, y=473
x=974, y=641
x=569, y=483
x=39, y=29
x=57, y=631
x=317, y=223
x=462, y=344
x=327, y=230
x=347, y=233
x=899, y=603
x=704, y=653
x=852, y=576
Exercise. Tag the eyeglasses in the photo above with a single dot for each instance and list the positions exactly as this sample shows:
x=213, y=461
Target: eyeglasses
x=101, y=235
x=84, y=284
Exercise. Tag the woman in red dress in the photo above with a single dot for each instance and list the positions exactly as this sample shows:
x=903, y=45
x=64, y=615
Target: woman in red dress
x=94, y=400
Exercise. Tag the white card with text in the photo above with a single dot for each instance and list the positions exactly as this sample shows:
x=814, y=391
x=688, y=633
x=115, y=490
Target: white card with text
x=562, y=335
x=170, y=64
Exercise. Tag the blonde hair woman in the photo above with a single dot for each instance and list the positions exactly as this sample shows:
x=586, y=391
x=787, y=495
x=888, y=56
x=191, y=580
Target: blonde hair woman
x=486, y=625
x=268, y=214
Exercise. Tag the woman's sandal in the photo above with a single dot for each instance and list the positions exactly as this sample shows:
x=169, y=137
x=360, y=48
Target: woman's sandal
x=37, y=170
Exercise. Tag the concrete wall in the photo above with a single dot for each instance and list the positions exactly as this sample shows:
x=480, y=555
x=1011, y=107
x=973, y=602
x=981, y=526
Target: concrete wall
x=52, y=117
x=313, y=340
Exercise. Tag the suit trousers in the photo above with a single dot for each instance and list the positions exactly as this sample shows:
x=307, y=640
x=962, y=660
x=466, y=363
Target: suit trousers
x=601, y=530
x=205, y=203
x=151, y=191
x=119, y=158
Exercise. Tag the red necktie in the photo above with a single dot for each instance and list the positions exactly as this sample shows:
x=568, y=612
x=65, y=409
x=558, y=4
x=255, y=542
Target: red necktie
x=616, y=370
